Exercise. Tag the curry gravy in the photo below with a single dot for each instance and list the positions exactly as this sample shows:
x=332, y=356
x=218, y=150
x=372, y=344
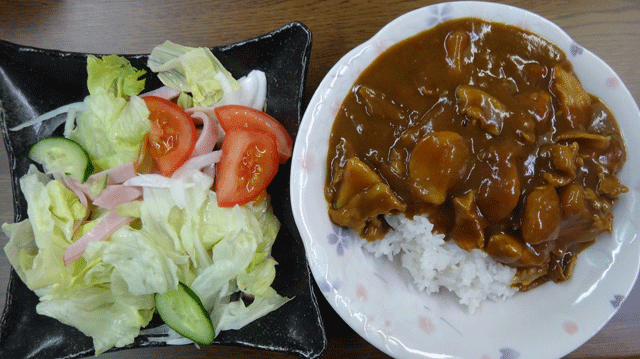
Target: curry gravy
x=484, y=128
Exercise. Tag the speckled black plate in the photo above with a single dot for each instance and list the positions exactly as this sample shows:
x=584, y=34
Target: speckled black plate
x=34, y=81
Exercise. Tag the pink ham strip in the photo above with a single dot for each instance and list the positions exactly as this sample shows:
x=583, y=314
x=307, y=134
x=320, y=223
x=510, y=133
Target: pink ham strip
x=114, y=195
x=104, y=229
x=115, y=175
x=118, y=174
x=208, y=137
x=165, y=92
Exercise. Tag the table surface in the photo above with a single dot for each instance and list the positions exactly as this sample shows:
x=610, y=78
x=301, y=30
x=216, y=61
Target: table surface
x=610, y=29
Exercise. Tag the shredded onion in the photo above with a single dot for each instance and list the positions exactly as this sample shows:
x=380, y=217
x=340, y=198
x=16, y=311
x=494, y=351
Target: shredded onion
x=200, y=162
x=208, y=136
x=165, y=92
x=75, y=107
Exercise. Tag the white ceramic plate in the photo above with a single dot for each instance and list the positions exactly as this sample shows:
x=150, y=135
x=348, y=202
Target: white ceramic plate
x=376, y=297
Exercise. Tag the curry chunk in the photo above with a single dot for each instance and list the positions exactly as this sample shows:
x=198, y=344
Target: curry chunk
x=539, y=105
x=542, y=215
x=482, y=108
x=610, y=186
x=363, y=210
x=588, y=214
x=587, y=140
x=438, y=162
x=508, y=249
x=361, y=198
x=457, y=45
x=575, y=102
x=468, y=231
x=526, y=276
x=499, y=191
x=356, y=177
x=526, y=129
x=563, y=163
x=378, y=105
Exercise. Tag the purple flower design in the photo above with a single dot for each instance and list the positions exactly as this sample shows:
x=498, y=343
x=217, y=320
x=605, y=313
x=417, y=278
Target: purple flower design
x=575, y=49
x=439, y=14
x=327, y=286
x=617, y=300
x=508, y=353
x=341, y=238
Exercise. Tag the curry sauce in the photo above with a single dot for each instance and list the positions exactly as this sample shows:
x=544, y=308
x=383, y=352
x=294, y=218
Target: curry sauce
x=485, y=128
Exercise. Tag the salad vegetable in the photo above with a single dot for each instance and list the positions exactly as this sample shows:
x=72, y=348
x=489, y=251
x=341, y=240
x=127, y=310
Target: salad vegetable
x=183, y=312
x=125, y=223
x=62, y=155
x=194, y=71
x=111, y=128
x=173, y=134
x=235, y=118
x=115, y=75
x=249, y=165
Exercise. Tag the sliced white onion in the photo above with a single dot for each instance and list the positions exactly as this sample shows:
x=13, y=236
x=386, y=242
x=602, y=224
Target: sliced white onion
x=252, y=92
x=211, y=114
x=151, y=180
x=208, y=136
x=198, y=163
x=76, y=107
x=166, y=92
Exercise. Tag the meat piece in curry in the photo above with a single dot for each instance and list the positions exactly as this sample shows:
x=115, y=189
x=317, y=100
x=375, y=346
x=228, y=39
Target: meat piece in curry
x=484, y=128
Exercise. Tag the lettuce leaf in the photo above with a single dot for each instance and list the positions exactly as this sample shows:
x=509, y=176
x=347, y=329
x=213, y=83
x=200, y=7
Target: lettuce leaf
x=145, y=267
x=114, y=120
x=107, y=313
x=111, y=129
x=194, y=71
x=115, y=75
x=226, y=249
x=88, y=294
x=36, y=245
x=235, y=315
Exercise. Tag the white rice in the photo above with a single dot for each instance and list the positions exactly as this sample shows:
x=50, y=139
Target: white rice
x=434, y=263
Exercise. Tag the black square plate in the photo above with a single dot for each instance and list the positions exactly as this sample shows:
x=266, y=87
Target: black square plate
x=34, y=81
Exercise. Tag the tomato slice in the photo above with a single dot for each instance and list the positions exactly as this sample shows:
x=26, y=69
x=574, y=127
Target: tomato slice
x=173, y=134
x=237, y=117
x=248, y=164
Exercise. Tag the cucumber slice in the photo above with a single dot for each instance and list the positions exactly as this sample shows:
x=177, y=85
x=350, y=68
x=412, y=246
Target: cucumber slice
x=62, y=155
x=182, y=311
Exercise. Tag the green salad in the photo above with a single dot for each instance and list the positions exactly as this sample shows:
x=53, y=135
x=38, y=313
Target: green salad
x=143, y=207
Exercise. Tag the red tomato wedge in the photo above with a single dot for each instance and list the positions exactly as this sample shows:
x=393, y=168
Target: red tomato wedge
x=173, y=134
x=248, y=164
x=237, y=117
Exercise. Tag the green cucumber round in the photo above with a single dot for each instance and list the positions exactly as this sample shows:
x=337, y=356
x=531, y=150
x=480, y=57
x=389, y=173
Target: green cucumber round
x=182, y=311
x=62, y=155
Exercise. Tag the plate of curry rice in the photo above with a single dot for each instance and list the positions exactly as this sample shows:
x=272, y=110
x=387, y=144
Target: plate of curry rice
x=464, y=184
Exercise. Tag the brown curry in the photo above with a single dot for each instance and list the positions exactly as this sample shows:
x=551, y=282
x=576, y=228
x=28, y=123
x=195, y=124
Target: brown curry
x=485, y=128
